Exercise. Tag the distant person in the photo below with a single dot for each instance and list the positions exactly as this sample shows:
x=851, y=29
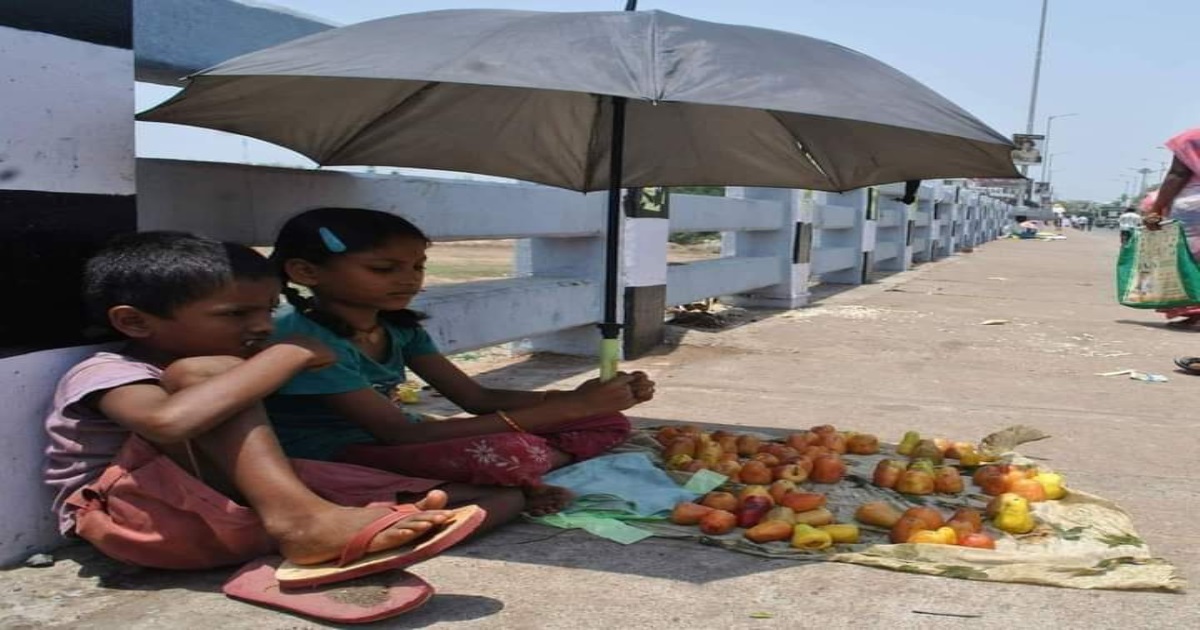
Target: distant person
x=1129, y=221
x=1179, y=198
x=1027, y=229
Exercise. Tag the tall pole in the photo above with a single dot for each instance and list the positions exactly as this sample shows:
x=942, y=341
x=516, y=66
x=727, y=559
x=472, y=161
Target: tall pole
x=1037, y=69
x=1046, y=144
x=1033, y=92
x=1142, y=182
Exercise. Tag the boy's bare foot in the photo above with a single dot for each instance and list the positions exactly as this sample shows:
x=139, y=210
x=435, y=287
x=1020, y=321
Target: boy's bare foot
x=321, y=535
x=543, y=500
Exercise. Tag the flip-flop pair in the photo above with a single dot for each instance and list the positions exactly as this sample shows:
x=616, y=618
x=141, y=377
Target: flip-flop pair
x=1191, y=365
x=324, y=591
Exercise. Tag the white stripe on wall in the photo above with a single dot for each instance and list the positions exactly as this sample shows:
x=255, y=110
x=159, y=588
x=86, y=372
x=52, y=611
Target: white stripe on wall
x=644, y=250
x=67, y=115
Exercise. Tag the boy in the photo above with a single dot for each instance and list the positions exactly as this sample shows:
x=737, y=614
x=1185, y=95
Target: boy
x=156, y=450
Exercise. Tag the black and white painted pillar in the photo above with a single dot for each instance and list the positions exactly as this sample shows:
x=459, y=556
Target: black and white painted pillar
x=644, y=249
x=66, y=186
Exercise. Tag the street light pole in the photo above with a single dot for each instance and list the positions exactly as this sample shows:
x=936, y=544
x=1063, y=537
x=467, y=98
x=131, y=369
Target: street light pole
x=1046, y=143
x=1033, y=92
x=1047, y=171
x=1037, y=68
x=1142, y=183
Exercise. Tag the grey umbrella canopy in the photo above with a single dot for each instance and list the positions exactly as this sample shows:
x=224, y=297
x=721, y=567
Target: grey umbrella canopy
x=593, y=101
x=522, y=94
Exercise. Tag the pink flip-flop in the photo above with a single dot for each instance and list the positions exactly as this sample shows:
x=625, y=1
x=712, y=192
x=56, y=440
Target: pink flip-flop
x=361, y=601
x=356, y=562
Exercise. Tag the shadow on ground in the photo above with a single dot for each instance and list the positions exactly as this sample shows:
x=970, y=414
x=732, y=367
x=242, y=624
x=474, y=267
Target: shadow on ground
x=521, y=542
x=1158, y=326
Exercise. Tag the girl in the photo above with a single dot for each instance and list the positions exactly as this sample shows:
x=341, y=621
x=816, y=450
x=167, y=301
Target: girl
x=361, y=269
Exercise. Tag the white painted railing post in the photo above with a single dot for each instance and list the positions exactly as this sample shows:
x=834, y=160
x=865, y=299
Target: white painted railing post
x=941, y=227
x=924, y=231
x=892, y=251
x=644, y=269
x=573, y=257
x=870, y=233
x=966, y=202
x=791, y=244
x=838, y=248
x=953, y=219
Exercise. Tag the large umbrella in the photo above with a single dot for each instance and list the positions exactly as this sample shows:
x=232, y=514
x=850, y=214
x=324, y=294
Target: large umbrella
x=593, y=101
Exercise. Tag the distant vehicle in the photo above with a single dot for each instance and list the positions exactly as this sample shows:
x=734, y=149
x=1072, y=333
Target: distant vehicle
x=1108, y=217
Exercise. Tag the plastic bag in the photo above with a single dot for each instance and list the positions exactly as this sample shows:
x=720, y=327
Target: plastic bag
x=1156, y=269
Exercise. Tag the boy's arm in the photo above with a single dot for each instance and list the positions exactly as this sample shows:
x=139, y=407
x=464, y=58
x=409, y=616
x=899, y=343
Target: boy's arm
x=199, y=393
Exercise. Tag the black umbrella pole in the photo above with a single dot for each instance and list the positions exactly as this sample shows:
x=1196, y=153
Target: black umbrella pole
x=610, y=328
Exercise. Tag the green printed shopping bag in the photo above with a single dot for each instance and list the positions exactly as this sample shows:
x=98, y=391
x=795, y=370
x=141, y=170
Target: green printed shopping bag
x=1156, y=269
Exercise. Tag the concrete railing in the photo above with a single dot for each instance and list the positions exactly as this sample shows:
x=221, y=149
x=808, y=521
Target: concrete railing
x=776, y=243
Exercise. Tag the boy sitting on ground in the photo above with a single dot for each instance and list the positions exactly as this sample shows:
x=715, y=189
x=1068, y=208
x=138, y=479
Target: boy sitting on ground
x=161, y=454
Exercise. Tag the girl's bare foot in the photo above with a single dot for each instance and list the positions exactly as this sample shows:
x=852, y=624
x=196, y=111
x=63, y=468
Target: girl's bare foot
x=543, y=500
x=321, y=535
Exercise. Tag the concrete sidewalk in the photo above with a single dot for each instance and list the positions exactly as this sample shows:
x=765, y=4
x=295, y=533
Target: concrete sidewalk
x=908, y=352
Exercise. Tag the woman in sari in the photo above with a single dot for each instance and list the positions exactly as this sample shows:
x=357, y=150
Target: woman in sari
x=1178, y=198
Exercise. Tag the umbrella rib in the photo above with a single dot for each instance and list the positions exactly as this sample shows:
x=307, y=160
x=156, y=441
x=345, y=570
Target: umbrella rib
x=593, y=140
x=801, y=147
x=429, y=85
x=655, y=66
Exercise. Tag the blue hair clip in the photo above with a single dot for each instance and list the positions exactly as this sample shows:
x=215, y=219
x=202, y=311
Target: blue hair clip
x=332, y=242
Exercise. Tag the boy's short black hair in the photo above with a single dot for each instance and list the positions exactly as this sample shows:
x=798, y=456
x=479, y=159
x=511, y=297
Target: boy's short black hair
x=157, y=272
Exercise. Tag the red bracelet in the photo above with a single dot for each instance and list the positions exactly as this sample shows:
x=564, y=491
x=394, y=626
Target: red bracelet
x=512, y=424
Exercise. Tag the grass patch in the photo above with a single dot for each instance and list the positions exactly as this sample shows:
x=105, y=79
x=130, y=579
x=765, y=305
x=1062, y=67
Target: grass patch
x=466, y=270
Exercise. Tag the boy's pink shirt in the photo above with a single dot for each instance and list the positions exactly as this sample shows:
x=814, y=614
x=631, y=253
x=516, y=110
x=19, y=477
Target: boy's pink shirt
x=82, y=441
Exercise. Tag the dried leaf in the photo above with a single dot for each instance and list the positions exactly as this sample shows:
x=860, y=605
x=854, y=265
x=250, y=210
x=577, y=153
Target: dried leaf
x=961, y=572
x=1008, y=439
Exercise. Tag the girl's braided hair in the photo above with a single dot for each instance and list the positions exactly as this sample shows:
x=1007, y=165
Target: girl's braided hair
x=323, y=233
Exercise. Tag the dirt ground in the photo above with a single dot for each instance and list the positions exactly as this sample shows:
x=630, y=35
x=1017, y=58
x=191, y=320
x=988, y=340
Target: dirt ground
x=461, y=261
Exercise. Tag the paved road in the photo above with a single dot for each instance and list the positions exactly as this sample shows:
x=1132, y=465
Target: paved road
x=906, y=352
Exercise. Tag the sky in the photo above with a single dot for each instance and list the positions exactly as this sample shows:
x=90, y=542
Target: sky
x=1118, y=76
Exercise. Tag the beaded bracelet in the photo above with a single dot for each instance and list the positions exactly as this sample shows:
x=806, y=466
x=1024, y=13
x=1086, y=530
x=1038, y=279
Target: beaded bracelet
x=512, y=424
